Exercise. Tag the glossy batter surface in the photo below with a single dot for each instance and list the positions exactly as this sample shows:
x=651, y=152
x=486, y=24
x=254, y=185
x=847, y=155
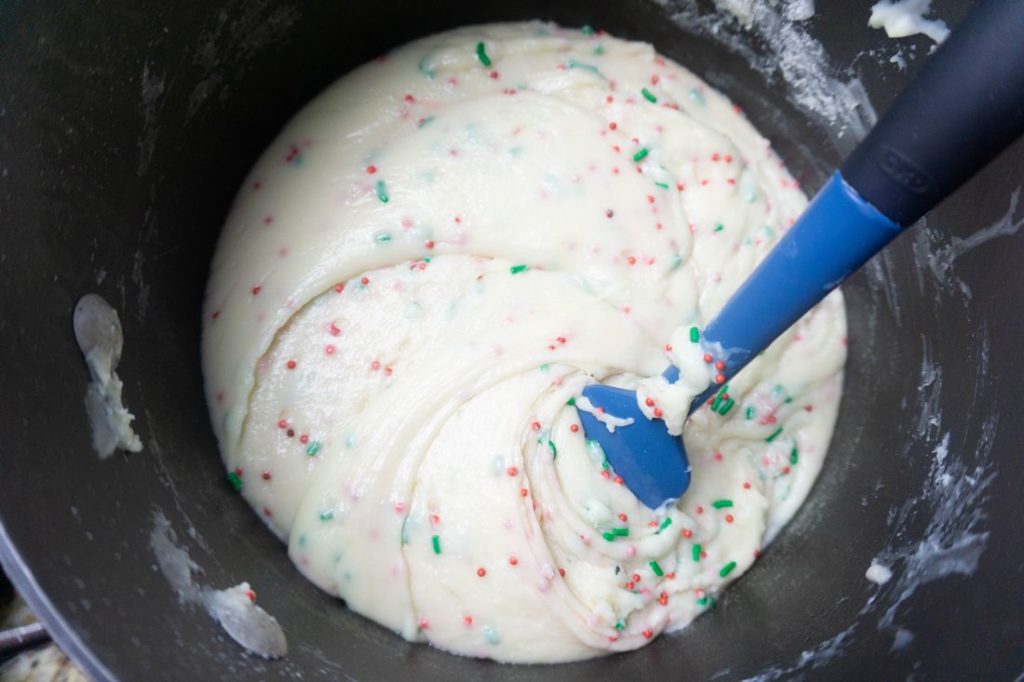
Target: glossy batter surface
x=417, y=280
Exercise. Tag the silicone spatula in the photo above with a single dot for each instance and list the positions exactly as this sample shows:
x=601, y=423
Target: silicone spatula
x=963, y=108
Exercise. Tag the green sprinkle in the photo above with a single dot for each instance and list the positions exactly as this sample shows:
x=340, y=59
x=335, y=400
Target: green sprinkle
x=313, y=448
x=640, y=155
x=703, y=601
x=719, y=227
x=794, y=456
x=382, y=192
x=620, y=532
x=608, y=535
x=694, y=334
x=662, y=185
x=481, y=54
x=424, y=121
x=491, y=635
x=721, y=504
x=696, y=552
x=750, y=413
x=665, y=524
x=436, y=541
x=718, y=397
x=546, y=367
x=554, y=450
x=303, y=540
x=327, y=515
x=648, y=95
x=620, y=625
x=570, y=402
x=573, y=64
x=587, y=30
x=516, y=269
x=235, y=480
x=727, y=569
x=382, y=237
x=697, y=97
x=405, y=532
x=775, y=434
x=726, y=407
x=599, y=50
x=656, y=568
x=425, y=69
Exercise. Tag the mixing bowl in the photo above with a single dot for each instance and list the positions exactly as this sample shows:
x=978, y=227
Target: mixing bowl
x=125, y=129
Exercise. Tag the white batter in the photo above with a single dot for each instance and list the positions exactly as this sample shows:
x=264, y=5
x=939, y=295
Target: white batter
x=429, y=264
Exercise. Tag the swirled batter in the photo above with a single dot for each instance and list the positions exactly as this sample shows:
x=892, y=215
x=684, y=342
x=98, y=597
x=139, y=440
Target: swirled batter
x=417, y=280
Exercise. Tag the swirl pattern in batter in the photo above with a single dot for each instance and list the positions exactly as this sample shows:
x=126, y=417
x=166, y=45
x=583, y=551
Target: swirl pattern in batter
x=414, y=285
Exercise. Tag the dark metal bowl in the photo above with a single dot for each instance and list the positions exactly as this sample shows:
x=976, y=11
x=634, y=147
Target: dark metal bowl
x=125, y=129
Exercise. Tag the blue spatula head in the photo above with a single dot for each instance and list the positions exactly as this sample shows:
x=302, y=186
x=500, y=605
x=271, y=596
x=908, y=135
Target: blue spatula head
x=651, y=461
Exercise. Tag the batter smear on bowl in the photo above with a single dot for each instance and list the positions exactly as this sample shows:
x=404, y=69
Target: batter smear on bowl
x=417, y=280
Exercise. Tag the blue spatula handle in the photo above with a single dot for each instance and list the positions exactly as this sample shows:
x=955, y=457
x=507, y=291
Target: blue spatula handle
x=964, y=107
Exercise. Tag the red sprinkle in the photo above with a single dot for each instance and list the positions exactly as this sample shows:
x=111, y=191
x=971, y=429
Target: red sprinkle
x=746, y=486
x=329, y=349
x=535, y=426
x=687, y=533
x=282, y=423
x=512, y=471
x=708, y=358
x=266, y=475
x=719, y=378
x=338, y=288
x=290, y=364
x=256, y=290
x=574, y=428
x=729, y=518
x=513, y=560
x=371, y=169
x=618, y=479
x=481, y=571
x=623, y=518
x=630, y=586
x=658, y=412
x=365, y=281
x=663, y=598
x=648, y=633
x=613, y=125
x=524, y=492
x=719, y=365
x=561, y=572
x=251, y=595
x=429, y=243
x=468, y=620
x=303, y=439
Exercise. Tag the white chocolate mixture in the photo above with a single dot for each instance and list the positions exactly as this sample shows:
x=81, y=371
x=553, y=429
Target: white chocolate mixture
x=417, y=280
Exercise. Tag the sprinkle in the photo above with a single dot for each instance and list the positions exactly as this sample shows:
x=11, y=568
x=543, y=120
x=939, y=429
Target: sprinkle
x=640, y=155
x=750, y=413
x=726, y=407
x=382, y=192
x=721, y=504
x=382, y=237
x=491, y=635
x=570, y=402
x=235, y=480
x=516, y=269
x=656, y=568
x=313, y=448
x=687, y=533
x=371, y=169
x=587, y=30
x=727, y=569
x=697, y=97
x=620, y=625
x=266, y=475
x=290, y=364
x=665, y=524
x=775, y=434
x=719, y=227
x=327, y=515
x=648, y=633
x=436, y=542
x=615, y=533
x=694, y=334
x=703, y=601
x=513, y=560
x=794, y=456
x=696, y=552
x=481, y=571
x=424, y=121
x=574, y=427
x=481, y=54
x=554, y=450
x=648, y=95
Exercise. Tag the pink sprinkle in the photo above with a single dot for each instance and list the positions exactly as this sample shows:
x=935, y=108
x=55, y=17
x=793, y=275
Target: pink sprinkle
x=303, y=439
x=375, y=365
x=631, y=551
x=334, y=329
x=424, y=624
x=410, y=99
x=329, y=349
x=406, y=223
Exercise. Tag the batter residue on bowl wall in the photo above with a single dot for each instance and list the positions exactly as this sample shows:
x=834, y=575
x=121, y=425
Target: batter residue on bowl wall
x=417, y=280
